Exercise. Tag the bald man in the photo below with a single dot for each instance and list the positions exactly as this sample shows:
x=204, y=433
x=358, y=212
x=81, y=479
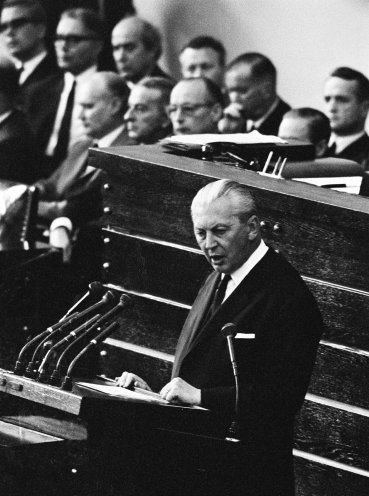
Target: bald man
x=136, y=49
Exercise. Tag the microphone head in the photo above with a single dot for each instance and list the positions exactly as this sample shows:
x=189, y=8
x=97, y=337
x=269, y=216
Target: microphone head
x=125, y=301
x=110, y=297
x=96, y=288
x=229, y=330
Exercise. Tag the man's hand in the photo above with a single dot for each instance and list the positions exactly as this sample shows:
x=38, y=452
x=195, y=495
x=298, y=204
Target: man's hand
x=129, y=380
x=179, y=391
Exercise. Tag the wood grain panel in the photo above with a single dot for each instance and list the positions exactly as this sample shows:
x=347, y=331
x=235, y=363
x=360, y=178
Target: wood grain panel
x=152, y=267
x=318, y=230
x=334, y=433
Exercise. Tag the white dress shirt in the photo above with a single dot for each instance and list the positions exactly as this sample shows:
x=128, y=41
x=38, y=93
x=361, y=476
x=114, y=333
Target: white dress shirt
x=239, y=275
x=343, y=142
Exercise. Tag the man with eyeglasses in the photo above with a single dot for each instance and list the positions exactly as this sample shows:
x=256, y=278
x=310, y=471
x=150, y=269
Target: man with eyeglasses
x=23, y=27
x=146, y=118
x=195, y=106
x=53, y=112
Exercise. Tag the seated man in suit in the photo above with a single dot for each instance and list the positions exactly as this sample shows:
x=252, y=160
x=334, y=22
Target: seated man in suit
x=23, y=27
x=203, y=56
x=251, y=84
x=346, y=95
x=146, y=118
x=19, y=157
x=195, y=106
x=136, y=49
x=306, y=124
x=257, y=290
x=73, y=190
x=52, y=109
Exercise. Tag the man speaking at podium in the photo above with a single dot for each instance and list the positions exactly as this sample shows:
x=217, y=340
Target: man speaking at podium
x=258, y=291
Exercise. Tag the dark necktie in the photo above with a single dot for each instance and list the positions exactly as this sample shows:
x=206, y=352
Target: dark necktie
x=61, y=148
x=219, y=295
x=331, y=151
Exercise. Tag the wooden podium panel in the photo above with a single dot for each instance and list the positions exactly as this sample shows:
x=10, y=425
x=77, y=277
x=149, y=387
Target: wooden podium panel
x=150, y=252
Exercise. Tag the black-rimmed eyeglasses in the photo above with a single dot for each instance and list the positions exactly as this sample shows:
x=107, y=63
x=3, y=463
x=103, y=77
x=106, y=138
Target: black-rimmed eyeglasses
x=187, y=109
x=15, y=24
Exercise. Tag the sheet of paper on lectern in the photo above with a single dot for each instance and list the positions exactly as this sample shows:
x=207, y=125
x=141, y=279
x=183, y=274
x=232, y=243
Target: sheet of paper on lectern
x=238, y=138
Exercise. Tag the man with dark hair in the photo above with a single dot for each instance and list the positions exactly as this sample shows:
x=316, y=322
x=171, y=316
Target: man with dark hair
x=203, y=56
x=136, y=49
x=306, y=124
x=250, y=81
x=19, y=157
x=259, y=292
x=195, y=106
x=53, y=112
x=146, y=118
x=346, y=95
x=23, y=28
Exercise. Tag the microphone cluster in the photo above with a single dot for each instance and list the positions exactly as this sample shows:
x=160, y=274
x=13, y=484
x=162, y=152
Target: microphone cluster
x=65, y=342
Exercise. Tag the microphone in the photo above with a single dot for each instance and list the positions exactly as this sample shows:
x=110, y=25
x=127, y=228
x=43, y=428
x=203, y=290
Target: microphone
x=95, y=288
x=229, y=331
x=67, y=383
x=19, y=364
x=109, y=297
x=42, y=373
x=124, y=302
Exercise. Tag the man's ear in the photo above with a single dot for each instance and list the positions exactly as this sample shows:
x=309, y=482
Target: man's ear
x=321, y=148
x=253, y=224
x=116, y=105
x=217, y=112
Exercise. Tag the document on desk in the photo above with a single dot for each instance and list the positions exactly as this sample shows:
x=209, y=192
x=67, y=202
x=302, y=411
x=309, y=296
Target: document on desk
x=237, y=138
x=137, y=394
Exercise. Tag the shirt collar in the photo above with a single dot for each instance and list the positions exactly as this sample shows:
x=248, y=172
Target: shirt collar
x=343, y=142
x=80, y=78
x=109, y=138
x=29, y=66
x=258, y=123
x=239, y=274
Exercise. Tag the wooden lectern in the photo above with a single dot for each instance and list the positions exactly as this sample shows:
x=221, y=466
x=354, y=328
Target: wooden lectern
x=150, y=253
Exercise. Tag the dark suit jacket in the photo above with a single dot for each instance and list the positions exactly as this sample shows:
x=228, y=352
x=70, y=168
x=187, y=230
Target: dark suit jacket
x=19, y=158
x=71, y=182
x=271, y=124
x=358, y=151
x=46, y=70
x=274, y=368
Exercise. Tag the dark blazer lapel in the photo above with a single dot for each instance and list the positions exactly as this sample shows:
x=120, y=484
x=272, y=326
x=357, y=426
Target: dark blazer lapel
x=194, y=320
x=235, y=304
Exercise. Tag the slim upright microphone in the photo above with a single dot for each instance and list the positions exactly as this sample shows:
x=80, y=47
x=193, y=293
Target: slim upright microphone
x=95, y=288
x=229, y=331
x=124, y=302
x=42, y=372
x=109, y=297
x=19, y=365
x=67, y=383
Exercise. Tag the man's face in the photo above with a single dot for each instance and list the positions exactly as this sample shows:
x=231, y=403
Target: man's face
x=252, y=95
x=96, y=109
x=345, y=112
x=191, y=109
x=132, y=58
x=146, y=115
x=224, y=239
x=201, y=62
x=76, y=48
x=21, y=37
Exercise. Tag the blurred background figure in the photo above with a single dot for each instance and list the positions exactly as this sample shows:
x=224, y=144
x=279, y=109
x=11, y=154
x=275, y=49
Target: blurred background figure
x=306, y=124
x=136, y=48
x=146, y=119
x=251, y=84
x=195, y=106
x=203, y=56
x=346, y=95
x=23, y=26
x=19, y=158
x=52, y=110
